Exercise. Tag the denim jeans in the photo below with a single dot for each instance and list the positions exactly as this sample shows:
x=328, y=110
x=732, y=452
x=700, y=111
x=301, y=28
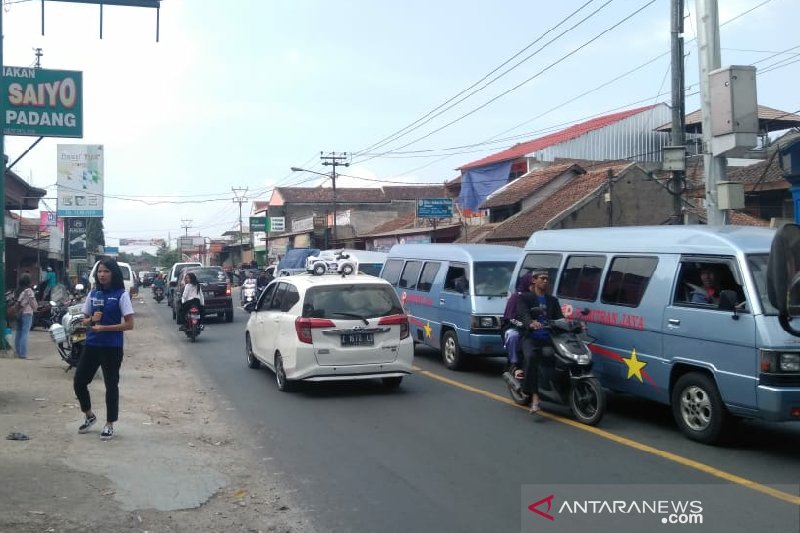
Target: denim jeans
x=24, y=323
x=512, y=345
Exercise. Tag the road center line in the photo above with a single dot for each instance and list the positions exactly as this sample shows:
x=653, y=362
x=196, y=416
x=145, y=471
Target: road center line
x=669, y=456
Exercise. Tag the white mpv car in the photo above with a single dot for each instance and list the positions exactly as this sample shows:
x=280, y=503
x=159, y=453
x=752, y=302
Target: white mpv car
x=329, y=328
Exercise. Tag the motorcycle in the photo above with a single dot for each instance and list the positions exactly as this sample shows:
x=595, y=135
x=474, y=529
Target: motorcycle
x=565, y=374
x=70, y=336
x=249, y=292
x=192, y=325
x=158, y=294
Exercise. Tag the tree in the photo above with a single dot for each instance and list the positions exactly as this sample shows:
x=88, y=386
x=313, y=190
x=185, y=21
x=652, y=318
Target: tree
x=94, y=234
x=168, y=257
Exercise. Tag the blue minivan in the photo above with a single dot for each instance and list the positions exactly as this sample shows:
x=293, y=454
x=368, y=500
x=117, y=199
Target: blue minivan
x=680, y=315
x=454, y=295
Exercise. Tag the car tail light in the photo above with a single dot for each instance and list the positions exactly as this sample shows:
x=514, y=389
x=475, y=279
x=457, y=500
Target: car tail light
x=228, y=289
x=394, y=320
x=304, y=325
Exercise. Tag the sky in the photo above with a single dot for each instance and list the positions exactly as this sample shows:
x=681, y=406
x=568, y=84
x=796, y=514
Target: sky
x=238, y=91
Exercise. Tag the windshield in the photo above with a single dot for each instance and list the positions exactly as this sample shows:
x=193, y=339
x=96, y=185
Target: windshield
x=493, y=277
x=364, y=301
x=758, y=269
x=209, y=275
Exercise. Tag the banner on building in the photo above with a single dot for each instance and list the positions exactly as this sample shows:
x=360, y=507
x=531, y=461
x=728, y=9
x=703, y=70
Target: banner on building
x=143, y=242
x=76, y=233
x=80, y=180
x=49, y=219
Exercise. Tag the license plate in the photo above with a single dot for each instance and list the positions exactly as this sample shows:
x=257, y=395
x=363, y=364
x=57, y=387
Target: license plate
x=79, y=337
x=358, y=339
x=194, y=316
x=208, y=294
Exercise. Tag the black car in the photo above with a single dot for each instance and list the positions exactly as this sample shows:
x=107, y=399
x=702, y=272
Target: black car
x=216, y=290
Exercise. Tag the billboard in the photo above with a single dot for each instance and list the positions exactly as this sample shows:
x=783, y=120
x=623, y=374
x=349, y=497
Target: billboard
x=48, y=219
x=191, y=244
x=80, y=180
x=76, y=233
x=435, y=208
x=42, y=102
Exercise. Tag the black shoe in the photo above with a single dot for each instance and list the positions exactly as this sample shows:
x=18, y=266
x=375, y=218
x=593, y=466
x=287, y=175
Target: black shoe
x=87, y=423
x=181, y=328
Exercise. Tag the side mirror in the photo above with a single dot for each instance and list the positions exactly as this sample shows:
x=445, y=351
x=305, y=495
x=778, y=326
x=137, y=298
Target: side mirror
x=250, y=307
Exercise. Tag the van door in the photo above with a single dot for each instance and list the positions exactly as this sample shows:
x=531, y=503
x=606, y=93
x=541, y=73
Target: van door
x=697, y=332
x=428, y=329
x=454, y=302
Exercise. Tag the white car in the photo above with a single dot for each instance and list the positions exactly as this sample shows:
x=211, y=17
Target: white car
x=329, y=328
x=331, y=261
x=127, y=276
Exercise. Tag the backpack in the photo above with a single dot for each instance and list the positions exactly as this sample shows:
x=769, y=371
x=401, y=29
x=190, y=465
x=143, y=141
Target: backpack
x=13, y=310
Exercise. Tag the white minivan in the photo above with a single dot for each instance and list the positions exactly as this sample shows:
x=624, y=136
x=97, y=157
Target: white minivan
x=127, y=275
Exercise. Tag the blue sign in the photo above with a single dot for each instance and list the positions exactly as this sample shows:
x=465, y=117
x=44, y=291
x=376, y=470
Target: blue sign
x=435, y=208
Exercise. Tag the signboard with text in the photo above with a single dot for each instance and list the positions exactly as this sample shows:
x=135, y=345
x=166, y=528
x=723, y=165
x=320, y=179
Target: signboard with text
x=435, y=208
x=42, y=102
x=277, y=223
x=80, y=180
x=76, y=233
x=259, y=224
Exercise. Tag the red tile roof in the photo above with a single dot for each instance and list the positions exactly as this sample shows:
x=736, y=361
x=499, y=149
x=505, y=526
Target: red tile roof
x=522, y=149
x=522, y=225
x=325, y=194
x=402, y=222
x=412, y=192
x=769, y=119
x=527, y=185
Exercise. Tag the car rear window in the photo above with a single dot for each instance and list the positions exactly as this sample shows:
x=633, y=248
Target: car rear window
x=209, y=275
x=359, y=301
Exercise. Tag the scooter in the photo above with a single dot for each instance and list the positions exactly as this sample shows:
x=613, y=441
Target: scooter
x=192, y=326
x=158, y=294
x=249, y=292
x=70, y=336
x=565, y=374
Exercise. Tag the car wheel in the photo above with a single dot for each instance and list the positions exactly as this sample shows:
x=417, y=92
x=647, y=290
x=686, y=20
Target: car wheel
x=252, y=362
x=284, y=385
x=698, y=408
x=229, y=316
x=392, y=383
x=451, y=352
x=319, y=269
x=347, y=269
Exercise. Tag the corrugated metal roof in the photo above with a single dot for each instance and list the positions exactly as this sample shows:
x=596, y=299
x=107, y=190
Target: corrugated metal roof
x=769, y=119
x=522, y=149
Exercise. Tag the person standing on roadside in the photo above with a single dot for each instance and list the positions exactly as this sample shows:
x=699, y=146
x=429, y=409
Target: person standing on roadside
x=27, y=306
x=108, y=312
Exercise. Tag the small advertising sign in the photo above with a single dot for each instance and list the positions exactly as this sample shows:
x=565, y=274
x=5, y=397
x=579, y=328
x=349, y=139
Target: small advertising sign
x=435, y=208
x=76, y=232
x=259, y=224
x=80, y=180
x=41, y=102
x=277, y=223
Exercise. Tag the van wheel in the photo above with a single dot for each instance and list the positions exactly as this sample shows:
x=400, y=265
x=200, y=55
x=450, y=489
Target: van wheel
x=451, y=351
x=252, y=362
x=284, y=385
x=698, y=408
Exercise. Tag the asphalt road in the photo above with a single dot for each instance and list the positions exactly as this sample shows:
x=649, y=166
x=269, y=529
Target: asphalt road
x=449, y=452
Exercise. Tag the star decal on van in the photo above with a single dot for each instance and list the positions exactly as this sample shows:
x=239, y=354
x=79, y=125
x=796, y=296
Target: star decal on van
x=634, y=366
x=428, y=329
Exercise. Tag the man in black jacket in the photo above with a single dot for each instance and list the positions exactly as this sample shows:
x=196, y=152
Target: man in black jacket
x=534, y=309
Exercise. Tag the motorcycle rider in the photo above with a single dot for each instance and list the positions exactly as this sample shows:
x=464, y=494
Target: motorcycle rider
x=249, y=283
x=510, y=326
x=534, y=309
x=192, y=295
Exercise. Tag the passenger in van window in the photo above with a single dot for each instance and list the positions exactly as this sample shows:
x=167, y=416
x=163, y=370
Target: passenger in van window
x=511, y=324
x=709, y=292
x=534, y=310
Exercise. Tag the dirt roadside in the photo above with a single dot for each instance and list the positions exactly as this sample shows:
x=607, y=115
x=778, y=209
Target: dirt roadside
x=175, y=464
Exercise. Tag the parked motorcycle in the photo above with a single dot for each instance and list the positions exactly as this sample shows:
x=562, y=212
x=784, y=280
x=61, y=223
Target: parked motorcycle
x=158, y=294
x=192, y=325
x=70, y=336
x=565, y=374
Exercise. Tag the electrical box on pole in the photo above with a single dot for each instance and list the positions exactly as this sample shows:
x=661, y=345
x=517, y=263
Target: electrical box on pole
x=734, y=113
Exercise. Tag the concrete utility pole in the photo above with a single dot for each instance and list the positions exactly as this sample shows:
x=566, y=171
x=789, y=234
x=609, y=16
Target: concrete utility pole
x=678, y=136
x=240, y=197
x=708, y=45
x=334, y=160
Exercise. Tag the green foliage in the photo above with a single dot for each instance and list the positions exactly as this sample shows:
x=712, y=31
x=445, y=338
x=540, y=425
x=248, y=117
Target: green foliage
x=167, y=257
x=94, y=233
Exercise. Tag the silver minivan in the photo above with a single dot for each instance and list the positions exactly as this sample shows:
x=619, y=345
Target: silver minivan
x=680, y=315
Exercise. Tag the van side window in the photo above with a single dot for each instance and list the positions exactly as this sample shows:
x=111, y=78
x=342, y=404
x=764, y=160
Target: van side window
x=627, y=280
x=408, y=279
x=580, y=279
x=429, y=272
x=700, y=283
x=457, y=279
x=391, y=270
x=533, y=262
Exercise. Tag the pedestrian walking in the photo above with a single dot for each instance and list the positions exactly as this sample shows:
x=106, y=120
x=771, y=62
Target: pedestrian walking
x=108, y=312
x=27, y=306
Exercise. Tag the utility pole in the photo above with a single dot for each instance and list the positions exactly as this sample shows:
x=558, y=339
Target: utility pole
x=38, y=53
x=708, y=46
x=334, y=160
x=240, y=197
x=186, y=223
x=678, y=134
